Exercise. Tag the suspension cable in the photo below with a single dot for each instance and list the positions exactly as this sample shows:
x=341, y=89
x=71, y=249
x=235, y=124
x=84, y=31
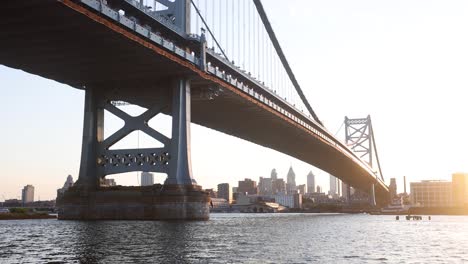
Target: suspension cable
x=208, y=28
x=283, y=59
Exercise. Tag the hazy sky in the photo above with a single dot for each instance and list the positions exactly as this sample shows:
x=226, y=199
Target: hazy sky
x=403, y=62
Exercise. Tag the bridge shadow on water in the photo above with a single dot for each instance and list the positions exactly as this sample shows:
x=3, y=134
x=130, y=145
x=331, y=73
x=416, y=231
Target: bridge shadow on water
x=138, y=241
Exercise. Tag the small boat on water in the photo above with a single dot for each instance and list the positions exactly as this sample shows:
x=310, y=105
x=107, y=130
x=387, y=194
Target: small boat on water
x=413, y=217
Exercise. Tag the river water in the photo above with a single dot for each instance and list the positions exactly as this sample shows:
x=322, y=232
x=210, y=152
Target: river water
x=239, y=238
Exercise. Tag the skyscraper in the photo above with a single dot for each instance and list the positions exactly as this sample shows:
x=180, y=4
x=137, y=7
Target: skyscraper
x=274, y=174
x=333, y=186
x=310, y=182
x=265, y=186
x=392, y=188
x=224, y=191
x=27, y=194
x=291, y=178
x=346, y=190
x=278, y=186
x=68, y=183
x=147, y=178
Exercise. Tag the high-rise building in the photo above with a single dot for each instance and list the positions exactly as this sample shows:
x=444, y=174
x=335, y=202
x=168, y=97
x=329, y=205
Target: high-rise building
x=431, y=193
x=265, y=186
x=333, y=186
x=392, y=188
x=278, y=186
x=248, y=186
x=404, y=184
x=310, y=182
x=147, y=178
x=27, y=194
x=302, y=189
x=224, y=191
x=338, y=182
x=346, y=191
x=274, y=174
x=460, y=189
x=68, y=183
x=319, y=189
x=291, y=178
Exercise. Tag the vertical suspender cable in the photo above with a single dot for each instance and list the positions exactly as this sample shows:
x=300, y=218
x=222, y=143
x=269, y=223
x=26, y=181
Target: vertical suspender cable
x=243, y=35
x=282, y=57
x=238, y=35
x=232, y=21
x=213, y=25
x=220, y=30
x=197, y=26
x=206, y=16
x=227, y=30
x=259, y=57
x=248, y=36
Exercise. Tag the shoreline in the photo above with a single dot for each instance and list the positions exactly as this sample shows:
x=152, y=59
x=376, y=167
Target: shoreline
x=19, y=216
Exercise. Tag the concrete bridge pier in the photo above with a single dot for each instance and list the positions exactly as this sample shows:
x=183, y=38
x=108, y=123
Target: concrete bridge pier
x=179, y=198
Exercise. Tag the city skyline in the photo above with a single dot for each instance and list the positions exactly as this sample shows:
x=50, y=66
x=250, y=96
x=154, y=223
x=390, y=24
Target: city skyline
x=408, y=75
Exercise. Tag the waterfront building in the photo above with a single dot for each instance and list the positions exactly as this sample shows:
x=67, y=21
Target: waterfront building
x=27, y=194
x=68, y=183
x=289, y=200
x=431, y=193
x=319, y=189
x=147, y=179
x=278, y=186
x=302, y=189
x=320, y=198
x=392, y=188
x=460, y=189
x=310, y=182
x=224, y=192
x=291, y=179
x=259, y=207
x=248, y=186
x=219, y=205
x=12, y=203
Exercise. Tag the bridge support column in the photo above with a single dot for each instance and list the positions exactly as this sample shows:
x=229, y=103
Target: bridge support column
x=93, y=133
x=179, y=198
x=372, y=200
x=180, y=167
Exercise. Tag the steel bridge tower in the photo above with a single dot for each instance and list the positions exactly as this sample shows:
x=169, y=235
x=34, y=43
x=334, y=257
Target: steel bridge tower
x=179, y=197
x=359, y=136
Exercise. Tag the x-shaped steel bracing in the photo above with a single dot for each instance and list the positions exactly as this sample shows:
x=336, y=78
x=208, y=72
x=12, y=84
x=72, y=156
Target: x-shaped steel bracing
x=127, y=160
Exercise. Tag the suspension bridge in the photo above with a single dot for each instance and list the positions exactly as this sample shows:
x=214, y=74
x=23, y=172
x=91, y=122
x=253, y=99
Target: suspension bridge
x=216, y=63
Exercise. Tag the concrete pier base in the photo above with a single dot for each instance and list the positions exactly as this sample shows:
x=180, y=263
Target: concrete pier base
x=157, y=202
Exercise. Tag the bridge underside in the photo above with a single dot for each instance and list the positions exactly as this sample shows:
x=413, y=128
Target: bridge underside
x=48, y=38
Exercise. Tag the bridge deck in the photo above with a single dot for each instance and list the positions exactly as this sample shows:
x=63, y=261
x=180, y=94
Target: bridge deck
x=48, y=38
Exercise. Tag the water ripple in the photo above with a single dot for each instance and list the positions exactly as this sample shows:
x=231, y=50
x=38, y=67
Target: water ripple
x=239, y=238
